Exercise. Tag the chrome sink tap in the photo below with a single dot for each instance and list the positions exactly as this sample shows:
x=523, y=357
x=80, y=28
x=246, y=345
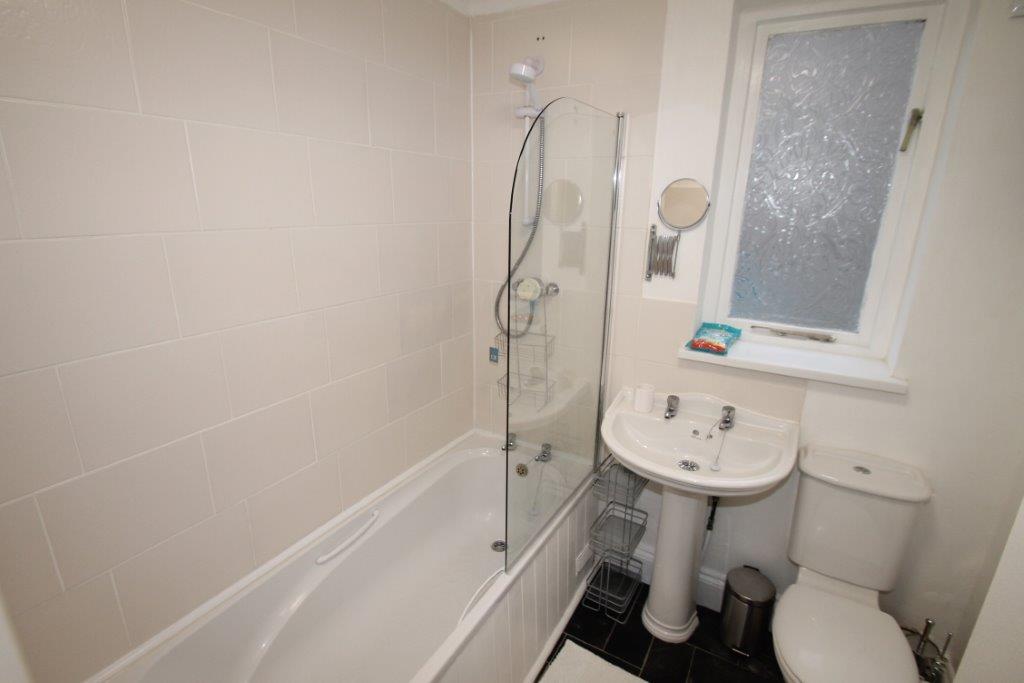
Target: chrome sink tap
x=671, y=406
x=728, y=418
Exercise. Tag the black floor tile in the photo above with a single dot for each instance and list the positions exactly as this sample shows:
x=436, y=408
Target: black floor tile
x=589, y=626
x=667, y=662
x=708, y=639
x=706, y=668
x=703, y=658
x=630, y=641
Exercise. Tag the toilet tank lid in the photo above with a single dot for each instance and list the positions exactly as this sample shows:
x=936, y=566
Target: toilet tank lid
x=865, y=472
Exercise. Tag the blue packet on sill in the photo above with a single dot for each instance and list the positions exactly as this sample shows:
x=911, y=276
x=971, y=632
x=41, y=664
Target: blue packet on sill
x=714, y=338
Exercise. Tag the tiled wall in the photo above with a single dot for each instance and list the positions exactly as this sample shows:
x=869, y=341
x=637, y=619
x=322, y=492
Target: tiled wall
x=235, y=292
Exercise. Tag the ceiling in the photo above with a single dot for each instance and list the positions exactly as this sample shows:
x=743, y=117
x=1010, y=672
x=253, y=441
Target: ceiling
x=477, y=7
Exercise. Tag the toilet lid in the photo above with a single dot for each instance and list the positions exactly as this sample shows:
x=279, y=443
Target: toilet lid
x=823, y=637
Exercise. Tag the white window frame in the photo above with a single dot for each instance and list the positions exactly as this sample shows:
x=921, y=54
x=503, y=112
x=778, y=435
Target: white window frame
x=885, y=296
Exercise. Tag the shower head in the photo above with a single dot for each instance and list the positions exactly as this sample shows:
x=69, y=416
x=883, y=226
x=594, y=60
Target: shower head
x=527, y=70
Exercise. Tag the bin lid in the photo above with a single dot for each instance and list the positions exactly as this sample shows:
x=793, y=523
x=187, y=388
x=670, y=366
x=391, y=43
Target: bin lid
x=750, y=586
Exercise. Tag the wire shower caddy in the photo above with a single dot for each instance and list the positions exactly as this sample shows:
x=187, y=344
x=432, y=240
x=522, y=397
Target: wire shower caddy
x=528, y=378
x=614, y=536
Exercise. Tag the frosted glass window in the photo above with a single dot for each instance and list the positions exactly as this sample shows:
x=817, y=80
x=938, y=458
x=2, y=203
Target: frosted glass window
x=831, y=112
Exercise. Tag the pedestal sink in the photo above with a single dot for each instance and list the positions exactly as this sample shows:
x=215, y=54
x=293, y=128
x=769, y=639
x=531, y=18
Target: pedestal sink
x=754, y=455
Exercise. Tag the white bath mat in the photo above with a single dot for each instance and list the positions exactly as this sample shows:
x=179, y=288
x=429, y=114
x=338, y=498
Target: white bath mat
x=574, y=664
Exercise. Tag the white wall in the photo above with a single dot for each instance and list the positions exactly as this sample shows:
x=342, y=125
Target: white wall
x=994, y=653
x=958, y=423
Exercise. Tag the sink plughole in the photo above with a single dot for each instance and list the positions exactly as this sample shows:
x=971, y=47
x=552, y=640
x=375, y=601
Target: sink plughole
x=756, y=454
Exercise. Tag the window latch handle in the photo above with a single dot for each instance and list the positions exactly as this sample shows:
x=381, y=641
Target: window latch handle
x=912, y=123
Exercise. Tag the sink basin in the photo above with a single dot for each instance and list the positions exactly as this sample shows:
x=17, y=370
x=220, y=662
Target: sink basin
x=756, y=454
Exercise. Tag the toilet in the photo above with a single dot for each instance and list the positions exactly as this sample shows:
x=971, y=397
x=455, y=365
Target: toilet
x=853, y=519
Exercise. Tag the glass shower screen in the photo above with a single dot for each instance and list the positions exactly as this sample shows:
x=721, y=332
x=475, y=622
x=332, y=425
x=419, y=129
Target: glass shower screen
x=551, y=314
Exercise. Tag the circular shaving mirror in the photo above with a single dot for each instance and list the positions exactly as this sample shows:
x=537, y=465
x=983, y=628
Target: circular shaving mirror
x=563, y=202
x=683, y=204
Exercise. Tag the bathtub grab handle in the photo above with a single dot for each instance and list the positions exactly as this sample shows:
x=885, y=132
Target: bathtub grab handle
x=328, y=556
x=480, y=589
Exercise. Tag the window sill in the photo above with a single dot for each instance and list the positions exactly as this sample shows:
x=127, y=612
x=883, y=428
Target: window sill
x=865, y=373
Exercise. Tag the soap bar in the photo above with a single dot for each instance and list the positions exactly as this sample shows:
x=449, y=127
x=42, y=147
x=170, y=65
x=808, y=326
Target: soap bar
x=714, y=338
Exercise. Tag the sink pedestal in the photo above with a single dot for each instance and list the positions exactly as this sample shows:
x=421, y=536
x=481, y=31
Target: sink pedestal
x=670, y=613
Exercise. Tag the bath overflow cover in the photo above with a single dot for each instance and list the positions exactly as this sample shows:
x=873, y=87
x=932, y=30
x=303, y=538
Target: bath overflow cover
x=860, y=469
x=498, y=546
x=689, y=465
x=522, y=470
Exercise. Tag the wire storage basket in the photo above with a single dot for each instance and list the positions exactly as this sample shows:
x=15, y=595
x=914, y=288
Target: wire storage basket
x=614, y=536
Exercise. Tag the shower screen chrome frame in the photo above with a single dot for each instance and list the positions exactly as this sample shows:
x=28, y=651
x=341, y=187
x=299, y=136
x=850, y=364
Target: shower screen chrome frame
x=616, y=182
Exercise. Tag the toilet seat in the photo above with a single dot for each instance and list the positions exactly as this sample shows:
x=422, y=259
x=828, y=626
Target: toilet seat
x=821, y=637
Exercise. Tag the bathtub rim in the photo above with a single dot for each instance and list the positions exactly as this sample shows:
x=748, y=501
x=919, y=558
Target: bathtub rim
x=207, y=610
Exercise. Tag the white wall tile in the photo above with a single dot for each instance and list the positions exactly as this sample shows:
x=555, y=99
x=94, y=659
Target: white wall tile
x=371, y=462
x=452, y=110
x=408, y=257
x=516, y=37
x=350, y=184
x=254, y=451
x=457, y=363
x=413, y=381
x=89, y=172
x=353, y=26
x=482, y=48
x=363, y=335
x=462, y=308
x=277, y=14
x=228, y=278
x=268, y=362
x=320, y=92
x=196, y=64
x=426, y=317
x=75, y=53
x=37, y=448
x=615, y=41
x=129, y=402
x=290, y=509
x=415, y=37
x=401, y=109
x=9, y=229
x=348, y=409
x=27, y=573
x=421, y=187
x=250, y=179
x=431, y=427
x=46, y=288
x=460, y=193
x=168, y=581
x=458, y=51
x=335, y=265
x=105, y=517
x=74, y=634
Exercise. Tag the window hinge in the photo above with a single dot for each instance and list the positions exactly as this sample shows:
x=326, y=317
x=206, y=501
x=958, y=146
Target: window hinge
x=912, y=123
x=812, y=336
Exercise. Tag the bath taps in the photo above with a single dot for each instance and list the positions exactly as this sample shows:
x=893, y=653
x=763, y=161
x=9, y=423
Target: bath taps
x=545, y=453
x=671, y=406
x=728, y=418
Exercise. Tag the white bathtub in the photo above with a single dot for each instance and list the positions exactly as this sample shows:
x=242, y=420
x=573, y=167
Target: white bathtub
x=382, y=593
